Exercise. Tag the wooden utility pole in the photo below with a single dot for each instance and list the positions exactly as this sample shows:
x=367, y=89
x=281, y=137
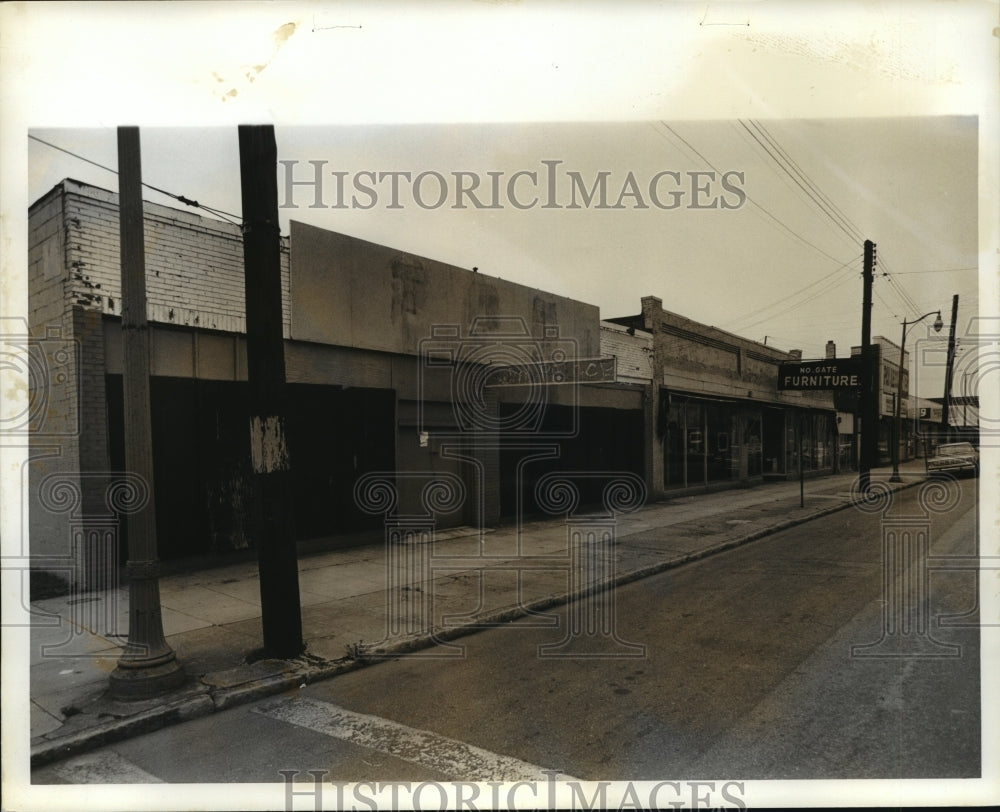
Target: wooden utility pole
x=869, y=409
x=273, y=521
x=802, y=470
x=147, y=666
x=949, y=370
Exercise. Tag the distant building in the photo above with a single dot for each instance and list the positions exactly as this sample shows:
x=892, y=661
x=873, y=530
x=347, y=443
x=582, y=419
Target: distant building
x=963, y=420
x=719, y=417
x=890, y=385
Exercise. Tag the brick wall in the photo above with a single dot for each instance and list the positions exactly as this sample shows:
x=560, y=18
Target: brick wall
x=695, y=357
x=194, y=265
x=633, y=352
x=194, y=277
x=46, y=264
x=88, y=332
x=54, y=357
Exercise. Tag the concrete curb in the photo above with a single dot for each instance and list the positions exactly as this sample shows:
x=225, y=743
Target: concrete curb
x=290, y=675
x=201, y=701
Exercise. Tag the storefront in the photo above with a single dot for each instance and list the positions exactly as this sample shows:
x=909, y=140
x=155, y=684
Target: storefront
x=710, y=441
x=707, y=441
x=721, y=419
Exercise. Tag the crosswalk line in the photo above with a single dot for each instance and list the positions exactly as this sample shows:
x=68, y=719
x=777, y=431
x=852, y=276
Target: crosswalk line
x=448, y=756
x=107, y=767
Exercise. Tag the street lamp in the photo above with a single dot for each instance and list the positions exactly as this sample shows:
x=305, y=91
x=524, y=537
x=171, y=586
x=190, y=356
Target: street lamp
x=938, y=324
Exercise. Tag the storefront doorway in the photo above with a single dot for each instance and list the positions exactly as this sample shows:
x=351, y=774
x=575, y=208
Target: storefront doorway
x=774, y=441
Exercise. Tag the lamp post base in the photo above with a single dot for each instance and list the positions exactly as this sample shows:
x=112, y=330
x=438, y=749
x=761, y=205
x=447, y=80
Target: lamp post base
x=146, y=681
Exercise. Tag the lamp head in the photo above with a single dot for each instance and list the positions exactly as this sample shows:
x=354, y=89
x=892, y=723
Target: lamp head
x=938, y=324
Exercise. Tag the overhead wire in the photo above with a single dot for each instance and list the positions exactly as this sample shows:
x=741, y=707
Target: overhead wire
x=827, y=283
x=832, y=283
x=809, y=188
x=229, y=217
x=885, y=304
x=750, y=200
x=898, y=288
x=935, y=270
x=849, y=228
x=838, y=215
x=787, y=164
x=773, y=151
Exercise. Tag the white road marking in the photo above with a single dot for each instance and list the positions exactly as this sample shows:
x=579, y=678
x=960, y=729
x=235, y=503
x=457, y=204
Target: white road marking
x=104, y=768
x=448, y=756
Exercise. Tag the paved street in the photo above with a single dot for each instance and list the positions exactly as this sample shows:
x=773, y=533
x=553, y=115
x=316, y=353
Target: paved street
x=368, y=598
x=735, y=666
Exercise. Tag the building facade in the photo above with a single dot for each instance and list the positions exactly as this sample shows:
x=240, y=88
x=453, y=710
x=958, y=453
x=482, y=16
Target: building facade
x=892, y=382
x=396, y=364
x=720, y=419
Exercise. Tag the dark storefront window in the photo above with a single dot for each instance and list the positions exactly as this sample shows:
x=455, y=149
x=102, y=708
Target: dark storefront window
x=695, y=443
x=673, y=447
x=707, y=442
x=723, y=455
x=814, y=432
x=773, y=441
x=755, y=457
x=791, y=444
x=822, y=442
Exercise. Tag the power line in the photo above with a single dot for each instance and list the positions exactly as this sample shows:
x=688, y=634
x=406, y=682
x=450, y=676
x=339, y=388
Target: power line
x=897, y=294
x=229, y=217
x=850, y=228
x=887, y=306
x=825, y=204
x=831, y=282
x=753, y=202
x=935, y=270
x=899, y=288
x=773, y=151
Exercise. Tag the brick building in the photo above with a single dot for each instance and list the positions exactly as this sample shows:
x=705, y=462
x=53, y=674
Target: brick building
x=394, y=363
x=719, y=419
x=196, y=312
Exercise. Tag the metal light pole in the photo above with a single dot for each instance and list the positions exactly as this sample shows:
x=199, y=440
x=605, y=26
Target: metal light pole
x=938, y=324
x=148, y=666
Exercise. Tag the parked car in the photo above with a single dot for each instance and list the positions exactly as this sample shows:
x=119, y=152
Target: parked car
x=954, y=457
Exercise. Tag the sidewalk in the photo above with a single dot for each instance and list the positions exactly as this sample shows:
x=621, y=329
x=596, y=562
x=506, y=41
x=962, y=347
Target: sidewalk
x=211, y=618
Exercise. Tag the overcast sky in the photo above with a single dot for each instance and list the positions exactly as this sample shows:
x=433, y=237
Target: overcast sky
x=779, y=255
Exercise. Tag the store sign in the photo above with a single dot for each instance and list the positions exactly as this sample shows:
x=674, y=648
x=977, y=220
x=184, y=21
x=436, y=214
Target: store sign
x=933, y=413
x=889, y=406
x=833, y=373
x=575, y=370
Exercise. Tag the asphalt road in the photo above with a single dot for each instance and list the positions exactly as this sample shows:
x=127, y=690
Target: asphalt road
x=744, y=665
